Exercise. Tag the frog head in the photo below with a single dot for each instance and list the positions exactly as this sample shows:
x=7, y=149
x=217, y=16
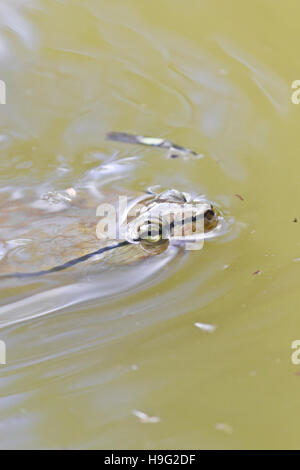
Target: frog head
x=158, y=218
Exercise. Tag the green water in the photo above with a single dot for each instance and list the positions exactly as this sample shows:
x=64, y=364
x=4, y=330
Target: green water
x=213, y=76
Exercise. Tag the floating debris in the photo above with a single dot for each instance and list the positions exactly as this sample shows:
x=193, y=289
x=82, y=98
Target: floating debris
x=71, y=192
x=224, y=427
x=55, y=197
x=240, y=197
x=2, y=250
x=174, y=150
x=55, y=201
x=206, y=327
x=144, y=418
x=223, y=71
x=296, y=260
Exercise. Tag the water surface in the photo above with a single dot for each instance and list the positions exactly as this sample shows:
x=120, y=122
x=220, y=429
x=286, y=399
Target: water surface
x=215, y=77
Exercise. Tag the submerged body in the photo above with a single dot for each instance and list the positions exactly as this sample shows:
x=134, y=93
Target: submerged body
x=58, y=231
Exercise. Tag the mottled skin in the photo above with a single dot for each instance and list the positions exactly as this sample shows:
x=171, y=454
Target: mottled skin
x=37, y=234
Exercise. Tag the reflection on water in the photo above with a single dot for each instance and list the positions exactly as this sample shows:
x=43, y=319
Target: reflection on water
x=126, y=338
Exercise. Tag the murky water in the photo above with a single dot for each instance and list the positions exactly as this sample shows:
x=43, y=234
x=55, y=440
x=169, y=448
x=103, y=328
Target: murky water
x=215, y=77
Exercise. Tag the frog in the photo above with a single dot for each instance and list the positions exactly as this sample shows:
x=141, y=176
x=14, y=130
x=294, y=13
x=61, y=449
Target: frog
x=57, y=231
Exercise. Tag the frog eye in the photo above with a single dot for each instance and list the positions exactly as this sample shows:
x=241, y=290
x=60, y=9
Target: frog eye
x=150, y=232
x=151, y=237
